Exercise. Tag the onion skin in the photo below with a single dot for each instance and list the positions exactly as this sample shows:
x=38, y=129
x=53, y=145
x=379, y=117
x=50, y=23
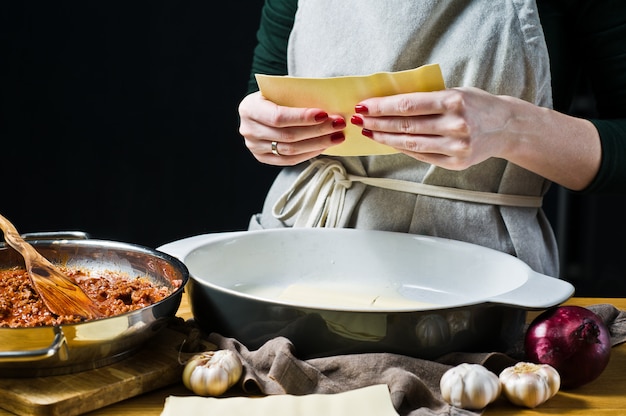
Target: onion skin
x=573, y=340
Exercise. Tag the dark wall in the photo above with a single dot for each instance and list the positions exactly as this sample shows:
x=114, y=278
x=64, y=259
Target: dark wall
x=592, y=244
x=121, y=121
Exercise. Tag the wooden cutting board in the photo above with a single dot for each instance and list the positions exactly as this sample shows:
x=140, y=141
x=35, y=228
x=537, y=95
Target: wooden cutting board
x=155, y=365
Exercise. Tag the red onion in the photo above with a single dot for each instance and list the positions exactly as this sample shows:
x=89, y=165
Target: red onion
x=573, y=340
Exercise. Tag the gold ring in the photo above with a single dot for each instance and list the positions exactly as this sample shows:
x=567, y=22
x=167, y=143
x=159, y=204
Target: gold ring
x=275, y=148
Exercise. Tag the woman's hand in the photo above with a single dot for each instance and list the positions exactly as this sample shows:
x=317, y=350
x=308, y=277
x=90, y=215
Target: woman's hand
x=286, y=136
x=454, y=128
x=461, y=127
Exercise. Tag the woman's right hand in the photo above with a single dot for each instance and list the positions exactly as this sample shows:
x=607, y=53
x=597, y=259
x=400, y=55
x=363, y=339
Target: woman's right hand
x=286, y=136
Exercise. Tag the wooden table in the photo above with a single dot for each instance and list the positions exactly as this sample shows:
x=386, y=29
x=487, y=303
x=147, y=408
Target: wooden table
x=604, y=396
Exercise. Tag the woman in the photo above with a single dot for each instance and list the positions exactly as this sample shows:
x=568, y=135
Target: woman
x=491, y=131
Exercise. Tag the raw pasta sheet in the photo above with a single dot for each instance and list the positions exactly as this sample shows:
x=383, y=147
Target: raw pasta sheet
x=368, y=401
x=339, y=95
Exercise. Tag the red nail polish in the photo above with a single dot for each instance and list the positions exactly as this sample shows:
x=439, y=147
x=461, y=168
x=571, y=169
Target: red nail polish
x=361, y=109
x=337, y=137
x=339, y=123
x=356, y=120
x=367, y=133
x=321, y=116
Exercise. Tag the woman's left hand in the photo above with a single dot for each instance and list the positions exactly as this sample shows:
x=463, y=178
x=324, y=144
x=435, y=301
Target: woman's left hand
x=454, y=128
x=461, y=127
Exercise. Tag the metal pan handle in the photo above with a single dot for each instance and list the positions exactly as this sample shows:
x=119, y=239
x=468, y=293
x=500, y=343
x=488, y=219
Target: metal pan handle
x=56, y=235
x=58, y=346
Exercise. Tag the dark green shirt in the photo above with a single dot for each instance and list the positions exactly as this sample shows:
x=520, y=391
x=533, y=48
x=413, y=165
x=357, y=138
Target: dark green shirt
x=587, y=45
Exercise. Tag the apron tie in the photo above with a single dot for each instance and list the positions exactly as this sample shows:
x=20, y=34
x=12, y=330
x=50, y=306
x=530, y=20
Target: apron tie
x=316, y=198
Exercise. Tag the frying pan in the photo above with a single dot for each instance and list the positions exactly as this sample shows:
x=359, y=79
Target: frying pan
x=55, y=350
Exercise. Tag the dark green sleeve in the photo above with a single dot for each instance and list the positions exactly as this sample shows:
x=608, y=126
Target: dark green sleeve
x=611, y=178
x=270, y=54
x=587, y=45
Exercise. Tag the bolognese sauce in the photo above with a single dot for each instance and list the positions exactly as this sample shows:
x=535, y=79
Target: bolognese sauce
x=114, y=293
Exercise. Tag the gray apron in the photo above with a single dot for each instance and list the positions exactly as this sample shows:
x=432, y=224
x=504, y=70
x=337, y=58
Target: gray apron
x=499, y=48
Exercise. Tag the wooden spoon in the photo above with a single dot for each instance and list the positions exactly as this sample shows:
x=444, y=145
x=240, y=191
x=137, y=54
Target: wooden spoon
x=59, y=293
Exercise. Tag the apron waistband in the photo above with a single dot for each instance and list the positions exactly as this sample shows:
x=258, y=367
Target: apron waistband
x=317, y=195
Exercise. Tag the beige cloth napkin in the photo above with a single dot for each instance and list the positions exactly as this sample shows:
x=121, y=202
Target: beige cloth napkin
x=413, y=383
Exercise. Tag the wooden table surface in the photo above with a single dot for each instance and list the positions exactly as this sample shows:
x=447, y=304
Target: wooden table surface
x=604, y=396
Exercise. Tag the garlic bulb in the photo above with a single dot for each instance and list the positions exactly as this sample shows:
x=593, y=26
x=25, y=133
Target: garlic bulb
x=432, y=331
x=469, y=386
x=529, y=384
x=211, y=373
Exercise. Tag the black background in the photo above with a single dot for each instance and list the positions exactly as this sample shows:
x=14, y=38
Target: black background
x=120, y=120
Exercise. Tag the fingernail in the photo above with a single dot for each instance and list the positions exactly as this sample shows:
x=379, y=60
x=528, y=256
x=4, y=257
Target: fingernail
x=361, y=109
x=356, y=120
x=321, y=116
x=339, y=123
x=367, y=133
x=337, y=137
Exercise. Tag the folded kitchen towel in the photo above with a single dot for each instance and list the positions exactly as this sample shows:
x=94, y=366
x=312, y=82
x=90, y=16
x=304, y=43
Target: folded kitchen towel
x=413, y=383
x=615, y=320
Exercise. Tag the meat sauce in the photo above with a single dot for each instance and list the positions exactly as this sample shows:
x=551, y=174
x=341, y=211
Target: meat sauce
x=113, y=293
